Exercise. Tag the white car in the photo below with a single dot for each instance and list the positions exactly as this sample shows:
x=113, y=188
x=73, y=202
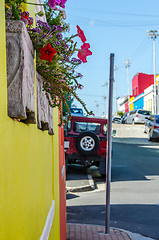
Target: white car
x=138, y=116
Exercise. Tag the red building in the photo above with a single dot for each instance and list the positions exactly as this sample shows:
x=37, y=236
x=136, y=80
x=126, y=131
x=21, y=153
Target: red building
x=140, y=82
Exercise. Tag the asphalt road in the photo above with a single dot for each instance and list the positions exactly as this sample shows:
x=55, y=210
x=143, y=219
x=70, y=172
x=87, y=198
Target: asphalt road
x=134, y=193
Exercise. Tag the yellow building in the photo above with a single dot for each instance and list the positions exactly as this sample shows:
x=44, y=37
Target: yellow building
x=131, y=104
x=29, y=170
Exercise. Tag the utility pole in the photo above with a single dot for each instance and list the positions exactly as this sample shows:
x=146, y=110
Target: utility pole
x=97, y=106
x=127, y=65
x=154, y=34
x=105, y=97
x=116, y=106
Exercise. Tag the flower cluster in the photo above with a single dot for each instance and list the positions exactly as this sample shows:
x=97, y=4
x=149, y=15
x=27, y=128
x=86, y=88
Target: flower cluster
x=55, y=53
x=54, y=3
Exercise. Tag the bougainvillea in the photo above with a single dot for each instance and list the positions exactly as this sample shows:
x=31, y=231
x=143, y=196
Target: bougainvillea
x=55, y=53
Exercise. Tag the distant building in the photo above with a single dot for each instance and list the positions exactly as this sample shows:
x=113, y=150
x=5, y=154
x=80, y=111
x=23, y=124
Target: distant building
x=148, y=98
x=139, y=101
x=140, y=82
x=157, y=96
x=121, y=103
x=142, y=94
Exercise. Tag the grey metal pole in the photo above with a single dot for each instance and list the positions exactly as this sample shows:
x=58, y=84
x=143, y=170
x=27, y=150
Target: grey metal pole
x=109, y=145
x=154, y=66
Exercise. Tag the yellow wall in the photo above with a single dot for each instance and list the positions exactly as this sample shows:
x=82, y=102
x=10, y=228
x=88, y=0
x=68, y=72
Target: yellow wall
x=27, y=157
x=55, y=233
x=131, y=104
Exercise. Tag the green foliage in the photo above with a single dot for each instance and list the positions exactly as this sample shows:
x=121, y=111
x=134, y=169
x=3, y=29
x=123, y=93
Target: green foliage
x=14, y=8
x=40, y=14
x=60, y=79
x=121, y=114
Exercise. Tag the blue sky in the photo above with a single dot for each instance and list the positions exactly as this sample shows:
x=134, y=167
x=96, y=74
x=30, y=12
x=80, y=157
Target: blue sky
x=117, y=27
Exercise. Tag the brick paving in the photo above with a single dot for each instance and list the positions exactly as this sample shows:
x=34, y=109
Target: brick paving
x=93, y=232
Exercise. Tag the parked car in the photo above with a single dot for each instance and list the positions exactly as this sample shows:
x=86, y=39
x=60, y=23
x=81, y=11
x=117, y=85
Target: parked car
x=138, y=116
x=86, y=138
x=76, y=111
x=151, y=127
x=124, y=119
x=116, y=120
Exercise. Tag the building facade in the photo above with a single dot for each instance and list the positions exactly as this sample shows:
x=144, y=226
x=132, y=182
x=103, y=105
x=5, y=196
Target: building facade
x=32, y=186
x=138, y=101
x=148, y=98
x=140, y=82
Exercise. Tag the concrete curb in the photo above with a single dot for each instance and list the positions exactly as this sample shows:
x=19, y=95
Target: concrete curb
x=85, y=188
x=90, y=180
x=134, y=236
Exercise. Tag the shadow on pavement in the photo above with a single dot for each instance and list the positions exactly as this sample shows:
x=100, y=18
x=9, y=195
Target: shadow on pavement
x=136, y=218
x=71, y=196
x=76, y=176
x=134, y=162
x=135, y=140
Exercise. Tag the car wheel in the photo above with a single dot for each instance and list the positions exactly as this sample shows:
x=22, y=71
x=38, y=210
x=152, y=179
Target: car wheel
x=149, y=137
x=87, y=143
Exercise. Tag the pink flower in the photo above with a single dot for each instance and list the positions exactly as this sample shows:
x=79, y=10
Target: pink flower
x=80, y=75
x=80, y=86
x=81, y=34
x=84, y=52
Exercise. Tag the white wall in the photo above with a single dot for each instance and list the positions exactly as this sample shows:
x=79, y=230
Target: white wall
x=148, y=98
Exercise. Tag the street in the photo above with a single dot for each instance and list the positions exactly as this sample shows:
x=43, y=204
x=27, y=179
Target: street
x=134, y=192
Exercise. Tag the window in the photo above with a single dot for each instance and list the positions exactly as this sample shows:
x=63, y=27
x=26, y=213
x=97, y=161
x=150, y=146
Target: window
x=87, y=126
x=157, y=119
x=105, y=129
x=68, y=126
x=152, y=119
x=144, y=112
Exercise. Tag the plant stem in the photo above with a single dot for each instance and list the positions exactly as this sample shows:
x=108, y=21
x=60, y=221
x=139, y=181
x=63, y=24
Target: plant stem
x=41, y=4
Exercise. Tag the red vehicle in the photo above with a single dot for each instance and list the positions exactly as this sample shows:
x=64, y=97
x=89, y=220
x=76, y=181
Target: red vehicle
x=86, y=141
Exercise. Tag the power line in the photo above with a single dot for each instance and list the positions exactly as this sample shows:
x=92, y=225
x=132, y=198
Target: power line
x=118, y=22
x=114, y=13
x=90, y=95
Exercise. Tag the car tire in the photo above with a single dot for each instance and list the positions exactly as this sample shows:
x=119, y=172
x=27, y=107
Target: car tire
x=87, y=143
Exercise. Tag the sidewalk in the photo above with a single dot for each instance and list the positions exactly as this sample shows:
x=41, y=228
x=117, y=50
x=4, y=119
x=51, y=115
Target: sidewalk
x=94, y=232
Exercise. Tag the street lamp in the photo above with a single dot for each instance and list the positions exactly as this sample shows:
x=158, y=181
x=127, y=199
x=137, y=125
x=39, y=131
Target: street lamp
x=116, y=106
x=105, y=96
x=154, y=34
x=97, y=106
